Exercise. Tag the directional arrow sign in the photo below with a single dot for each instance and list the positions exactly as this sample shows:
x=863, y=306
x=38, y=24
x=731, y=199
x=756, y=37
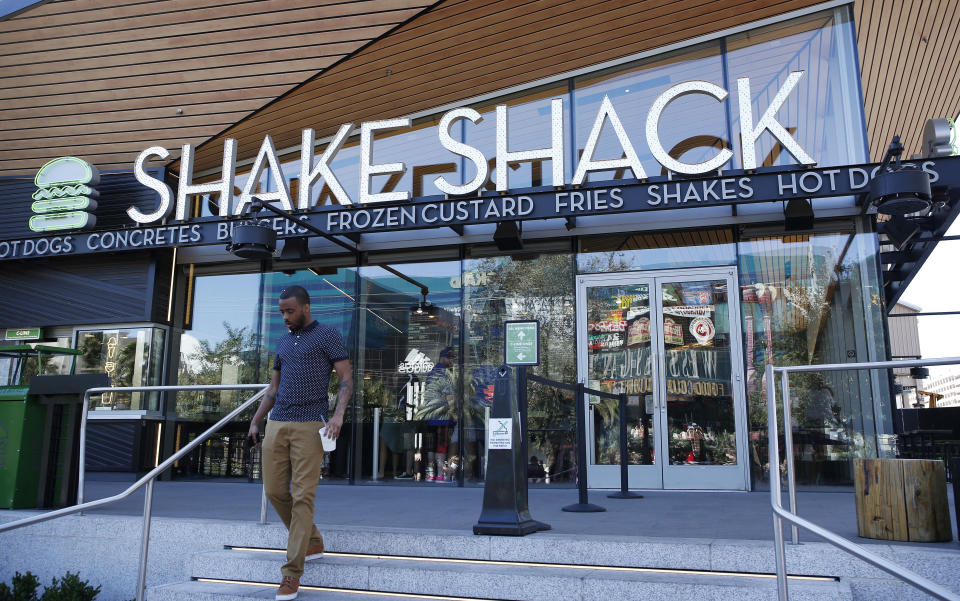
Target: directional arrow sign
x=522, y=339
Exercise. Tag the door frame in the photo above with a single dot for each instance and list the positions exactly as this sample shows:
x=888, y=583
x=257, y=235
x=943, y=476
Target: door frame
x=687, y=477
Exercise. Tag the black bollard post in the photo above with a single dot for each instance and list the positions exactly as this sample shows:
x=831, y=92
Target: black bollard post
x=522, y=406
x=505, y=506
x=584, y=506
x=624, y=477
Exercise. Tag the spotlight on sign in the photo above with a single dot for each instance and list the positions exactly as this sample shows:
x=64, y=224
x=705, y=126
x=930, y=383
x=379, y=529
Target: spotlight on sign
x=798, y=215
x=919, y=373
x=507, y=236
x=899, y=189
x=295, y=249
x=899, y=230
x=253, y=241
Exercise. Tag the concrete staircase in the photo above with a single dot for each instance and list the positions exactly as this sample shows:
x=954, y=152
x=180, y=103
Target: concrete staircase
x=395, y=564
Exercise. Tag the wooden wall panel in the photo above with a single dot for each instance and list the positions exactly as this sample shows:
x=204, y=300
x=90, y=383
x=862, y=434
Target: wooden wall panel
x=909, y=67
x=464, y=48
x=103, y=79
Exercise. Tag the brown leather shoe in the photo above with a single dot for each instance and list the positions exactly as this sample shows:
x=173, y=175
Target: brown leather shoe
x=289, y=587
x=314, y=551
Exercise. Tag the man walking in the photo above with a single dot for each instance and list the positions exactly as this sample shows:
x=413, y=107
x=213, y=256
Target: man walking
x=292, y=449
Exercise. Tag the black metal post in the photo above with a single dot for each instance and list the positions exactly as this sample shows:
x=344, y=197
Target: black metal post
x=522, y=406
x=584, y=506
x=624, y=456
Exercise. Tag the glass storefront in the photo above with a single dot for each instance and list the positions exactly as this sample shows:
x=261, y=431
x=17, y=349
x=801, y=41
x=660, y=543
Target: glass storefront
x=130, y=357
x=525, y=287
x=425, y=330
x=808, y=299
x=425, y=339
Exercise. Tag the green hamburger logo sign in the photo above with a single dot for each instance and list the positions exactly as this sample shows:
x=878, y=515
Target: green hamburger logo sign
x=65, y=195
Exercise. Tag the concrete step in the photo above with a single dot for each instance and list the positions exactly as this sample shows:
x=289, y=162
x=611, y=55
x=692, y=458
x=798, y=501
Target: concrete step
x=196, y=590
x=498, y=580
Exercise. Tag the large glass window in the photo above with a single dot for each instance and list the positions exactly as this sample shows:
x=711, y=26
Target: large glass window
x=220, y=346
x=693, y=128
x=823, y=111
x=809, y=299
x=534, y=287
x=332, y=303
x=130, y=357
x=409, y=367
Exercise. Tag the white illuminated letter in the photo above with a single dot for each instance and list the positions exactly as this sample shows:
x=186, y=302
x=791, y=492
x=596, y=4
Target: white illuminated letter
x=223, y=187
x=151, y=182
x=749, y=133
x=459, y=148
x=554, y=152
x=309, y=173
x=587, y=162
x=368, y=169
x=266, y=156
x=653, y=124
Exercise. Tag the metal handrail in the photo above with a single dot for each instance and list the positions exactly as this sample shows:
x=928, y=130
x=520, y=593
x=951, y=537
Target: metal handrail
x=780, y=514
x=150, y=477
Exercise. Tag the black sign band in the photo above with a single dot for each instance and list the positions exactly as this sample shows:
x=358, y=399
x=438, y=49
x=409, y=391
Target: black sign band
x=608, y=198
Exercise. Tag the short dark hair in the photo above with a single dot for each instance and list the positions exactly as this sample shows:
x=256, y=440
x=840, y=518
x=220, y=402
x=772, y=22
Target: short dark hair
x=297, y=292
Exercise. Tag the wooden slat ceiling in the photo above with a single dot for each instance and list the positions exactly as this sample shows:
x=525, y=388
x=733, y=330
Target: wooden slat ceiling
x=104, y=79
x=465, y=48
x=909, y=67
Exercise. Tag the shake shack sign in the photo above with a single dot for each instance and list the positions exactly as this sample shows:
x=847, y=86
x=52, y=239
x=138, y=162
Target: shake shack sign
x=167, y=224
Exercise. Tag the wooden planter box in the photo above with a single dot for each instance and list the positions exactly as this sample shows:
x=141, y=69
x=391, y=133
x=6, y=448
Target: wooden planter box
x=902, y=499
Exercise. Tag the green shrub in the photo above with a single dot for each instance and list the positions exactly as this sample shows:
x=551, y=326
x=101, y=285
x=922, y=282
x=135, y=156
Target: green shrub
x=24, y=588
x=68, y=588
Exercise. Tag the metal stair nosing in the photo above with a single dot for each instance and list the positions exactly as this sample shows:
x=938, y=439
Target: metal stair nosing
x=482, y=581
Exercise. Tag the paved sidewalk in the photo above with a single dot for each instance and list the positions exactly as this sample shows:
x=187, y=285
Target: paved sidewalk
x=669, y=514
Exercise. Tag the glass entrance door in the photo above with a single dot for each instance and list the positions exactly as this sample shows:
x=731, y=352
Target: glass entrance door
x=671, y=341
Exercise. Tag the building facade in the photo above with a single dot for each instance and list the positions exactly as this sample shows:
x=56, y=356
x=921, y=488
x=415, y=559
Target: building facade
x=677, y=196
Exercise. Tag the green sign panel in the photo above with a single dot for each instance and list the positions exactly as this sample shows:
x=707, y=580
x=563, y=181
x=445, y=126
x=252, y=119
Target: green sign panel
x=522, y=340
x=23, y=334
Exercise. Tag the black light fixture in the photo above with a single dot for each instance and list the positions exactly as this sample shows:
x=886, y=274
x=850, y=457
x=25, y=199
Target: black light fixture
x=798, y=214
x=295, y=249
x=899, y=230
x=253, y=241
x=919, y=373
x=322, y=271
x=899, y=189
x=507, y=236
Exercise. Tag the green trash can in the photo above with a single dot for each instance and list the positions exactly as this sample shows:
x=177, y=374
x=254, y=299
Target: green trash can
x=21, y=441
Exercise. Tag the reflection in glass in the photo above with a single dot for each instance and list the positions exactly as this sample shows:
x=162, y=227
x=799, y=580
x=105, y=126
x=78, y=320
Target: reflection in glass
x=221, y=345
x=693, y=128
x=619, y=360
x=498, y=289
x=823, y=112
x=409, y=372
x=529, y=120
x=808, y=299
x=699, y=380
x=130, y=357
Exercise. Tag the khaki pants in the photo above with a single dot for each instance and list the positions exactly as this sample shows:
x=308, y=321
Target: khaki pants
x=292, y=458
